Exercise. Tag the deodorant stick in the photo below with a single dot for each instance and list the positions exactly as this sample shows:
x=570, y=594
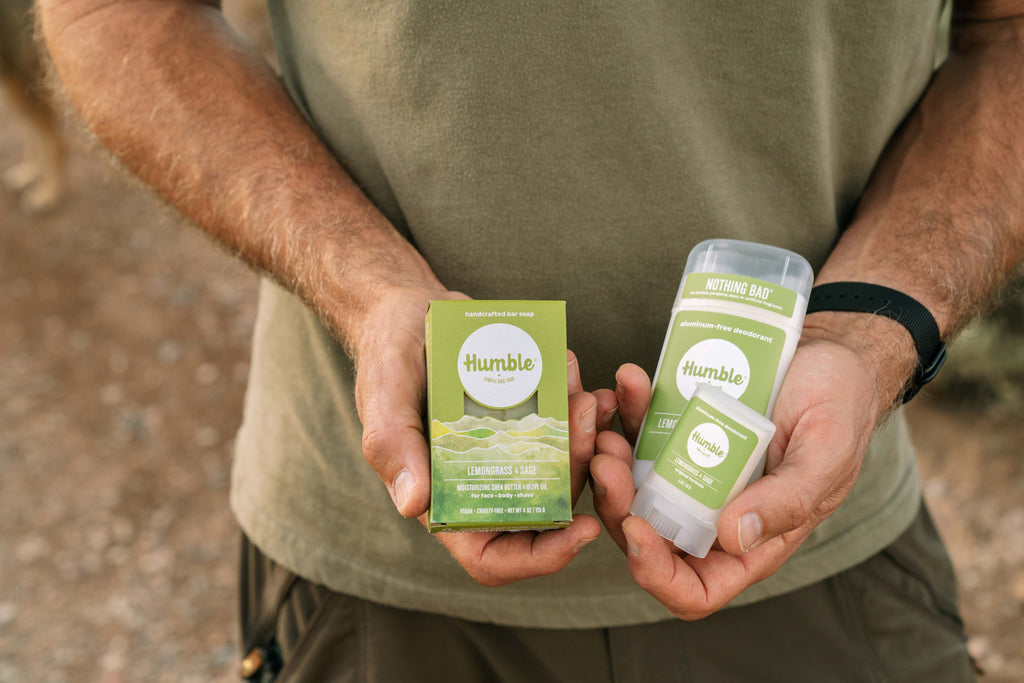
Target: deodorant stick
x=716, y=447
x=735, y=324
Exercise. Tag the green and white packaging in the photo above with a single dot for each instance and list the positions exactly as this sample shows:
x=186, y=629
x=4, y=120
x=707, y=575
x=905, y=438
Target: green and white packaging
x=716, y=447
x=499, y=416
x=735, y=325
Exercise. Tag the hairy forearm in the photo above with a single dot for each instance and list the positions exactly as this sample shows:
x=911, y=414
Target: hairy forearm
x=169, y=88
x=943, y=217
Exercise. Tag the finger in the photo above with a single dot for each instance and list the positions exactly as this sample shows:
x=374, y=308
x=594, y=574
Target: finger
x=582, y=433
x=573, y=373
x=500, y=558
x=633, y=391
x=607, y=407
x=811, y=480
x=390, y=390
x=615, y=445
x=691, y=587
x=612, y=482
x=660, y=572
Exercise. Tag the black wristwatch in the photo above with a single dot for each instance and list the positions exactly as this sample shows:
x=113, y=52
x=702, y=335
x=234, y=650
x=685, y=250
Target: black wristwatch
x=860, y=297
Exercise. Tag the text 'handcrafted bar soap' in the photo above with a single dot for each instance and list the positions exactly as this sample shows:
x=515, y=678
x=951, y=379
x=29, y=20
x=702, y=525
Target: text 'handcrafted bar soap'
x=499, y=416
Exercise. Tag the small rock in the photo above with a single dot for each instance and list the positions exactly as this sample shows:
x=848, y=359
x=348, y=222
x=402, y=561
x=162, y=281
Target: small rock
x=31, y=549
x=53, y=326
x=240, y=372
x=19, y=406
x=130, y=425
x=156, y=561
x=207, y=436
x=111, y=394
x=183, y=295
x=223, y=656
x=1018, y=588
x=8, y=612
x=48, y=288
x=10, y=674
x=67, y=567
x=79, y=341
x=935, y=488
x=207, y=374
x=13, y=332
x=19, y=289
x=161, y=520
x=123, y=530
x=98, y=538
x=169, y=352
x=978, y=646
x=114, y=661
x=90, y=563
x=118, y=362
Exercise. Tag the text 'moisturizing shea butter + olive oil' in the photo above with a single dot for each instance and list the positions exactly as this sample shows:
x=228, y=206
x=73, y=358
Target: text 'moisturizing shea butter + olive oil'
x=735, y=324
x=499, y=417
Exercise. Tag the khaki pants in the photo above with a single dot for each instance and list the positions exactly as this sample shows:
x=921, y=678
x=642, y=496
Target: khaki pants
x=892, y=618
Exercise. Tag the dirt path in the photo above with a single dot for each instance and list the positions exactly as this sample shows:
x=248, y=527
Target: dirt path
x=124, y=340
x=973, y=471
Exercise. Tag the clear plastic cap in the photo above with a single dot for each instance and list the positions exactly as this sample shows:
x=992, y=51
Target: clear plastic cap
x=750, y=259
x=670, y=521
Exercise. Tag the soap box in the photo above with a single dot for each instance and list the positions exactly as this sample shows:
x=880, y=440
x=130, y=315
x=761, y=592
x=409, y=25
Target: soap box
x=499, y=416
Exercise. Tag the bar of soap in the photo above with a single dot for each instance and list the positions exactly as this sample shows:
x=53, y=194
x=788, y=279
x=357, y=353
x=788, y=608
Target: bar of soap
x=499, y=416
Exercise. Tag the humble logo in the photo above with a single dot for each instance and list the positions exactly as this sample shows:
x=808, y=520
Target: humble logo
x=707, y=372
x=507, y=364
x=707, y=445
x=717, y=362
x=500, y=365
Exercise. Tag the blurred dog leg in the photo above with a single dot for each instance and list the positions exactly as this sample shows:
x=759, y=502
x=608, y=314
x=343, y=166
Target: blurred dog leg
x=40, y=179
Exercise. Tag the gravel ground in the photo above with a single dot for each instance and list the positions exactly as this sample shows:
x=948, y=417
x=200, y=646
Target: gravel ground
x=124, y=339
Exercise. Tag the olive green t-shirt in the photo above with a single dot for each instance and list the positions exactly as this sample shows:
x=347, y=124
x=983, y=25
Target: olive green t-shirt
x=576, y=151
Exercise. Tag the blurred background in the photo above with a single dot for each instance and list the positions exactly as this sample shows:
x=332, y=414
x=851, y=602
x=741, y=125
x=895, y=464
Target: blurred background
x=124, y=345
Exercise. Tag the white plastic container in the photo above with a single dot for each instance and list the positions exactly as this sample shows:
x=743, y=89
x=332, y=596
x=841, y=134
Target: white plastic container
x=716, y=447
x=735, y=325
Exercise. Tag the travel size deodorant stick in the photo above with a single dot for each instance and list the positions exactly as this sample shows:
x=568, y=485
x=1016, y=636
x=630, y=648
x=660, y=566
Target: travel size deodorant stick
x=735, y=324
x=717, y=446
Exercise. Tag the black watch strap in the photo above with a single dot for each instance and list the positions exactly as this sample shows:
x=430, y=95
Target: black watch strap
x=860, y=297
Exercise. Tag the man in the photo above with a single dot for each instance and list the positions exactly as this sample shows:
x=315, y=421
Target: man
x=544, y=150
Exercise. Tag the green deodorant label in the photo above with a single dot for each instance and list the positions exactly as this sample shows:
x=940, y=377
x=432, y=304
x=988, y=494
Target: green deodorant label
x=735, y=354
x=740, y=290
x=706, y=454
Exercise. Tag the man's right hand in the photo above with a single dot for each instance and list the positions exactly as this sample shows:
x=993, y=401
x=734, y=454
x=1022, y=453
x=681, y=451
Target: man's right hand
x=387, y=346
x=388, y=350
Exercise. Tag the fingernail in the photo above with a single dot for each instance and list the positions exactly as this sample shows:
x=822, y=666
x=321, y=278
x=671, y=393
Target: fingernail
x=749, y=531
x=582, y=542
x=607, y=418
x=632, y=545
x=587, y=419
x=401, y=488
x=599, y=488
x=572, y=368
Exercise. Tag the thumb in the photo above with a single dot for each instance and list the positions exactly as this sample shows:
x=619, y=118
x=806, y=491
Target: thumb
x=390, y=392
x=633, y=391
x=806, y=487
